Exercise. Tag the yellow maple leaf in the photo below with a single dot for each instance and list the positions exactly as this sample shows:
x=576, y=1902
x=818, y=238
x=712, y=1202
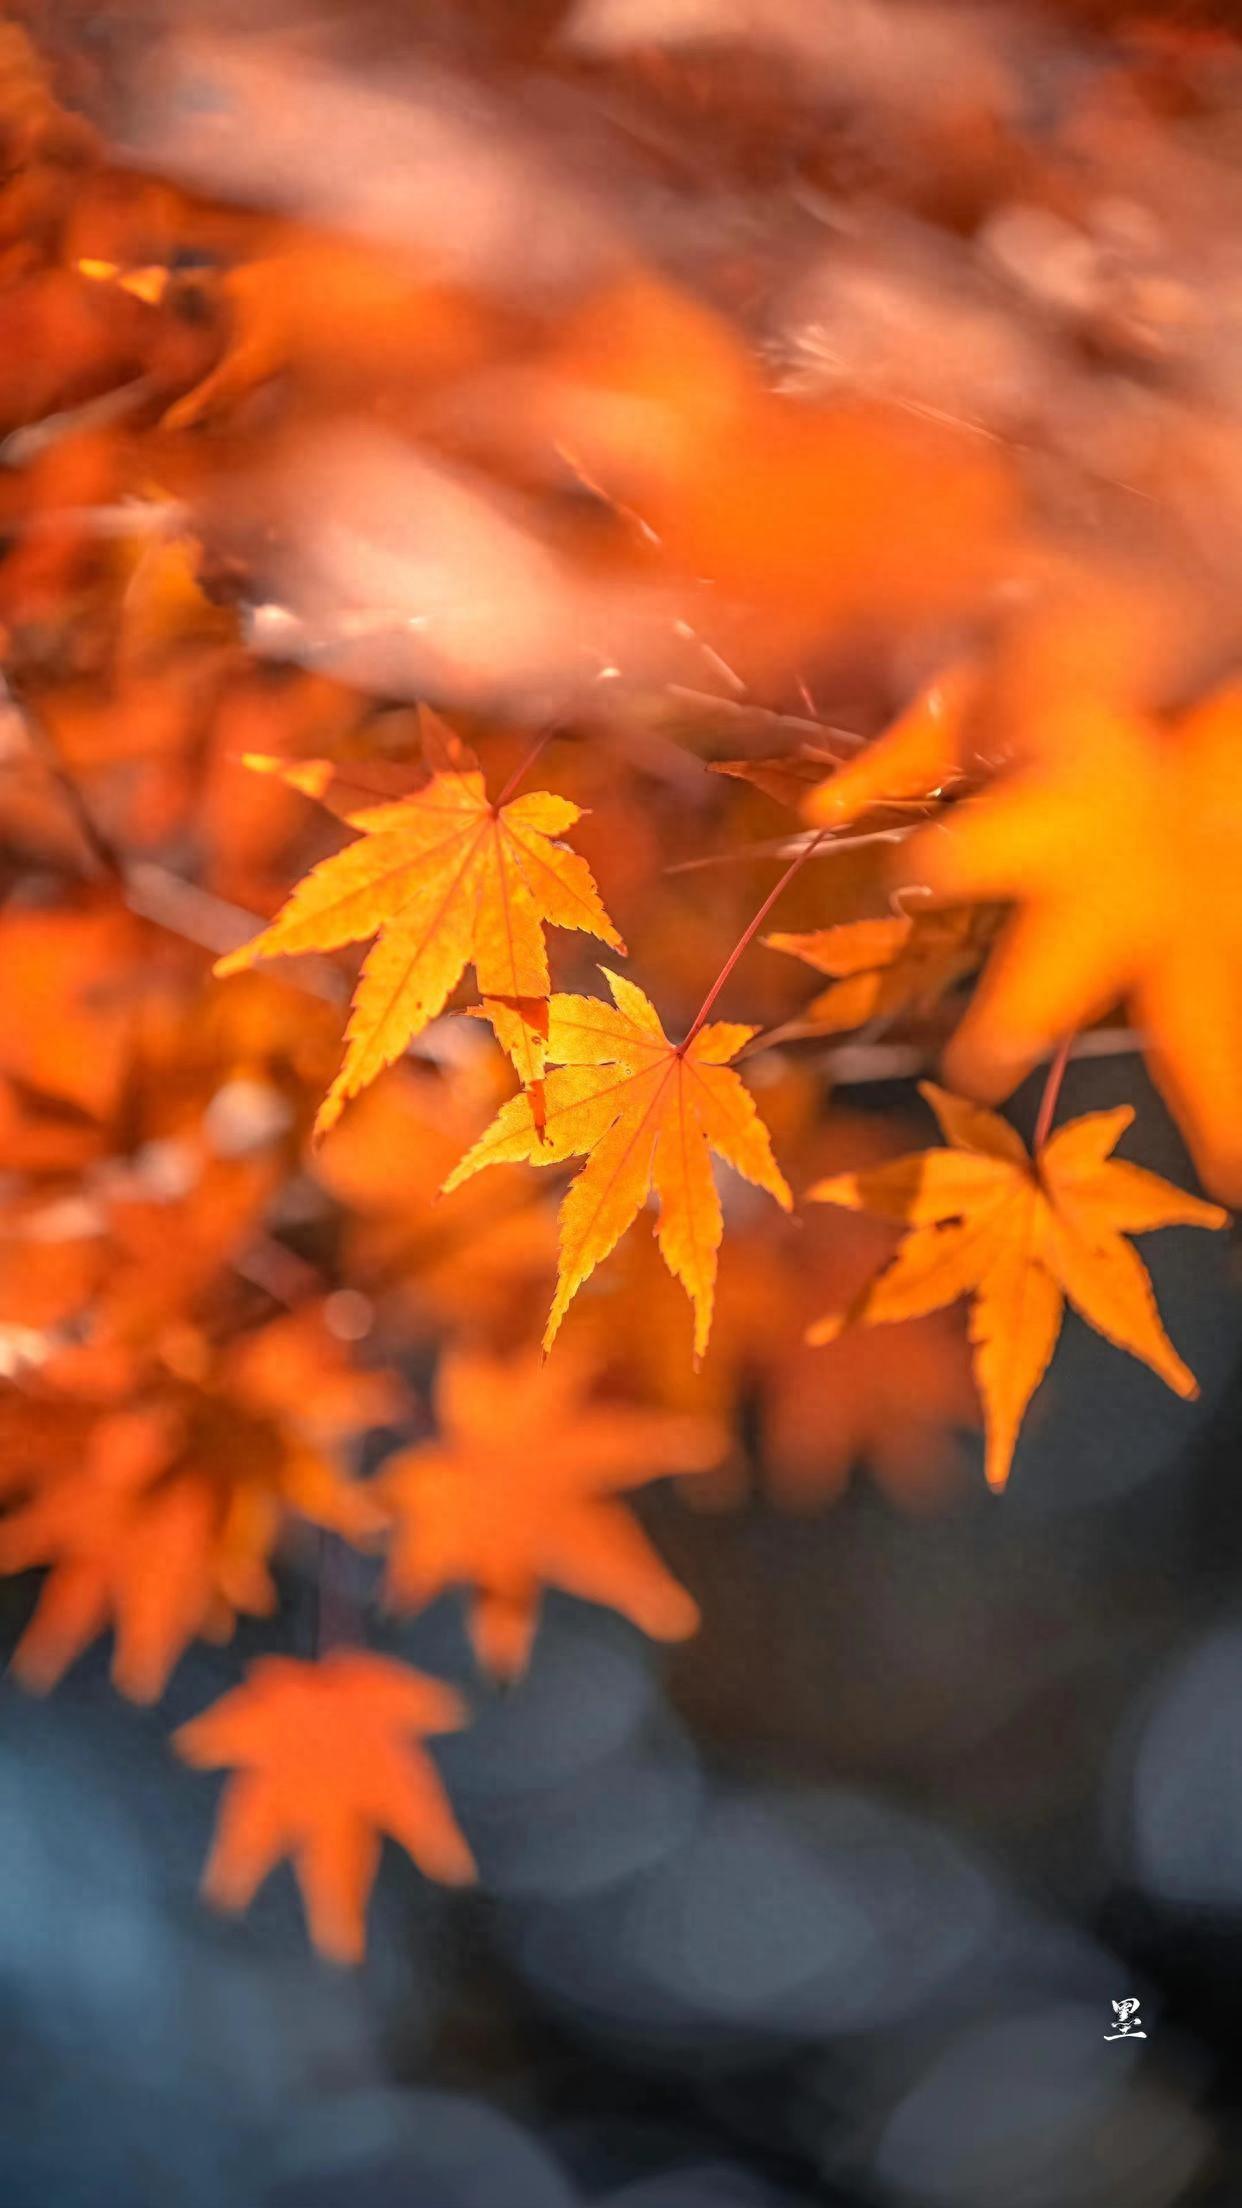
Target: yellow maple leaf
x=643, y=1112
x=1018, y=1235
x=442, y=878
x=1121, y=844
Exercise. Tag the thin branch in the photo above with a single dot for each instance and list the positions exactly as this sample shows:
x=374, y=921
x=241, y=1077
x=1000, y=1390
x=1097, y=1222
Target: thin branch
x=863, y=1065
x=786, y=724
x=523, y=768
x=198, y=916
x=817, y=843
x=106, y=858
x=748, y=935
x=1052, y=1090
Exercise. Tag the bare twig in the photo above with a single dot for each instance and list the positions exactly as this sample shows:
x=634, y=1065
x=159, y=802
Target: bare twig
x=199, y=916
x=104, y=856
x=1052, y=1090
x=816, y=844
x=862, y=1065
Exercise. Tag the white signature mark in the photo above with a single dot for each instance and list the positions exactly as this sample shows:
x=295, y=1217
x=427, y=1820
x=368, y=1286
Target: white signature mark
x=1127, y=2019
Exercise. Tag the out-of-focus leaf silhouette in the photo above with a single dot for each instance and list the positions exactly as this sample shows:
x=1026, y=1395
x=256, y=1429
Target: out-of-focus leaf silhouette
x=162, y=1524
x=1119, y=843
x=520, y=1493
x=881, y=968
x=327, y=1761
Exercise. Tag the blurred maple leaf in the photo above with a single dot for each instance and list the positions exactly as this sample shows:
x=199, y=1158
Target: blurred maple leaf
x=786, y=776
x=923, y=753
x=327, y=1761
x=1017, y=1235
x=519, y=1494
x=327, y=307
x=1121, y=843
x=163, y=1523
x=881, y=968
x=917, y=758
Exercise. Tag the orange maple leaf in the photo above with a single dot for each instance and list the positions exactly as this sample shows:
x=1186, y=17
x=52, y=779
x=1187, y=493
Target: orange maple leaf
x=162, y=1522
x=644, y=1112
x=328, y=1762
x=786, y=776
x=120, y=1546
x=1121, y=842
x=915, y=758
x=1018, y=1235
x=881, y=968
x=442, y=878
x=518, y=1494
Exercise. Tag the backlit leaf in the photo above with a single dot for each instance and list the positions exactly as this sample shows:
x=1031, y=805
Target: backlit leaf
x=1018, y=1235
x=442, y=879
x=645, y=1113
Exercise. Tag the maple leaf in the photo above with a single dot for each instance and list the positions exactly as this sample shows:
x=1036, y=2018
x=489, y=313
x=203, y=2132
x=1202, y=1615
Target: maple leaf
x=786, y=776
x=915, y=758
x=118, y=1548
x=442, y=878
x=1121, y=844
x=1018, y=1235
x=327, y=1761
x=644, y=1112
x=880, y=968
x=161, y=1523
x=518, y=1494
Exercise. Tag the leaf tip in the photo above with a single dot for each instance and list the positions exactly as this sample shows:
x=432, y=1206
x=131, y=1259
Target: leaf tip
x=998, y=1463
x=326, y=1117
x=232, y=962
x=839, y=1188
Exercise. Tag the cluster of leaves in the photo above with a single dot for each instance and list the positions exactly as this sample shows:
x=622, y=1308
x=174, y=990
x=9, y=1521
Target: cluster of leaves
x=226, y=1262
